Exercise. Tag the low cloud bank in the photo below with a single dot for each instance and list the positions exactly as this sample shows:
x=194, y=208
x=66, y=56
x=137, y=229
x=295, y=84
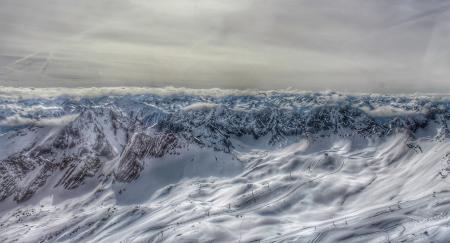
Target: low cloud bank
x=30, y=93
x=200, y=106
x=19, y=93
x=17, y=120
x=387, y=111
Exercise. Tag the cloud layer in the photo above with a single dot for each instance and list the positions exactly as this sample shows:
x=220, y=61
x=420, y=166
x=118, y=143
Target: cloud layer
x=346, y=45
x=17, y=120
x=12, y=94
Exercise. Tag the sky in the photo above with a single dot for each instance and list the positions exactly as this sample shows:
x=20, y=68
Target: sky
x=344, y=45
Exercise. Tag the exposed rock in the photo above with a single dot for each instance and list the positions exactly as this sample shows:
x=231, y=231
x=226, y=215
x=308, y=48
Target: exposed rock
x=142, y=146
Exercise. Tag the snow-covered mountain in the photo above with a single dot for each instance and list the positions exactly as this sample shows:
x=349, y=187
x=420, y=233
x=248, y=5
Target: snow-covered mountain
x=265, y=167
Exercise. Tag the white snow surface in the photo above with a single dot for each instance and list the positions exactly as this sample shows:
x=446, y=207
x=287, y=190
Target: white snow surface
x=334, y=187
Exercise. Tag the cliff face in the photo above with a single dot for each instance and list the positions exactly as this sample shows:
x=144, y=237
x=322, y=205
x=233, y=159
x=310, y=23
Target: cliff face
x=140, y=147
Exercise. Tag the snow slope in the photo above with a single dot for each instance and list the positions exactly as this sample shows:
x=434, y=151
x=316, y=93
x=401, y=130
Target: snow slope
x=265, y=167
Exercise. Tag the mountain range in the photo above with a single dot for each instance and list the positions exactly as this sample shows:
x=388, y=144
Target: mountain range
x=265, y=167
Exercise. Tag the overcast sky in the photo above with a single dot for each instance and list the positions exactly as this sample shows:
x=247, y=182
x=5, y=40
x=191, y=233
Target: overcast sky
x=346, y=45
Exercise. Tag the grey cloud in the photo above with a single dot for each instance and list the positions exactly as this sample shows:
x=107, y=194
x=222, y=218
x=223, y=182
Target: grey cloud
x=346, y=45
